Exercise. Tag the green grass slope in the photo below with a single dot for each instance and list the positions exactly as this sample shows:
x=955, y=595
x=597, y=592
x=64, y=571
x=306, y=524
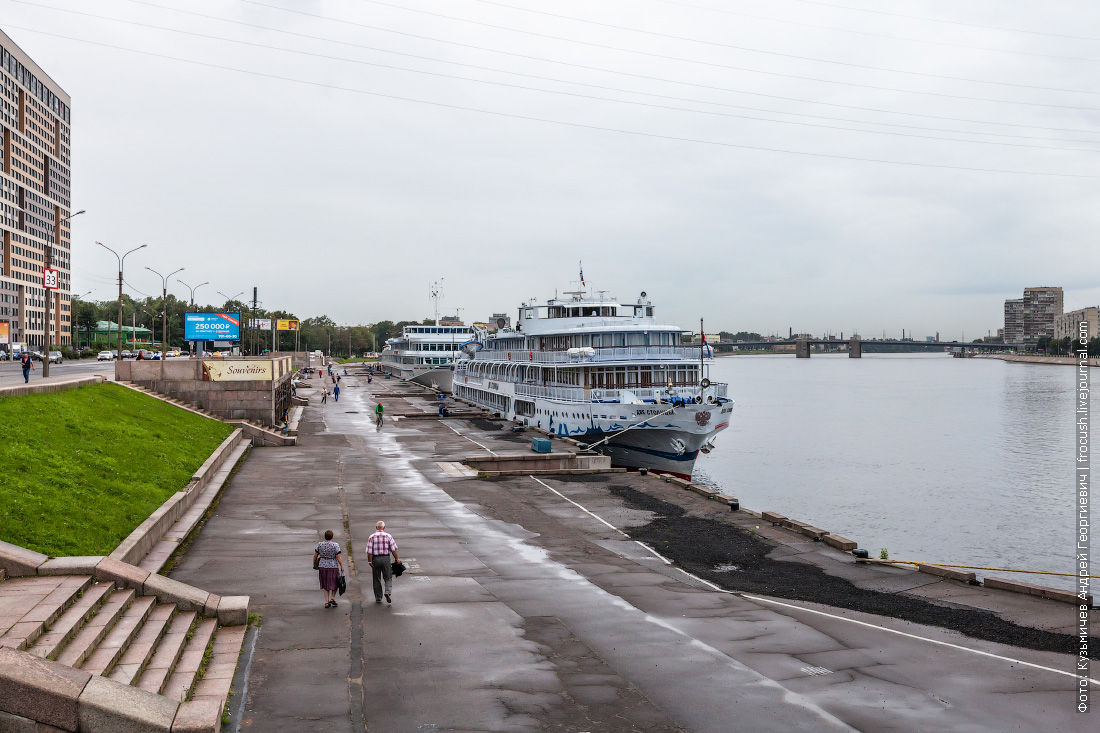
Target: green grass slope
x=83, y=468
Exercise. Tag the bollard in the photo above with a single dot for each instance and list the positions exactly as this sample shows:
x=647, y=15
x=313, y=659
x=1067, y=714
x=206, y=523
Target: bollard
x=861, y=554
x=643, y=471
x=734, y=505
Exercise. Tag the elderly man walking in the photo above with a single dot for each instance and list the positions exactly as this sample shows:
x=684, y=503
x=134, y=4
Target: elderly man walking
x=380, y=546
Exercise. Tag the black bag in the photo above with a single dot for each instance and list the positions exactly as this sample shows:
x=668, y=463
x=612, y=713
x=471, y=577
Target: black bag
x=398, y=568
x=316, y=562
x=341, y=585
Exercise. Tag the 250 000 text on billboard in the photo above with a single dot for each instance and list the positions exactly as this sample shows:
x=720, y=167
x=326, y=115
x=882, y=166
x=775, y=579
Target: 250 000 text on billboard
x=212, y=327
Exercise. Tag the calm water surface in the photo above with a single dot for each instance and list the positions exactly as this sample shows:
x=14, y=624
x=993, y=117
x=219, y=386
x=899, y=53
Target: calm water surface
x=936, y=459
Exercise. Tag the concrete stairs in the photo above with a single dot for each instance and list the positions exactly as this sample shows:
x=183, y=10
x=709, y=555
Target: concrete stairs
x=120, y=634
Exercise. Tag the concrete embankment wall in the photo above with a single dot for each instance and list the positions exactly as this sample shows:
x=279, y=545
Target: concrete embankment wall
x=182, y=379
x=1027, y=359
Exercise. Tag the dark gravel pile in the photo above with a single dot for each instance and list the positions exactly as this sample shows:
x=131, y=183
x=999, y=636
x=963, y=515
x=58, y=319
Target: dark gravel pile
x=699, y=545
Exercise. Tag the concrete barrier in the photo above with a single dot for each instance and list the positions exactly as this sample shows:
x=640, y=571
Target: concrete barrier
x=50, y=387
x=503, y=464
x=138, y=544
x=1042, y=591
x=952, y=573
x=840, y=543
x=773, y=517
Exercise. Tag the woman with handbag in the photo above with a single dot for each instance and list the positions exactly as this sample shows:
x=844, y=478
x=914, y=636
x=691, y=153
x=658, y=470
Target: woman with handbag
x=330, y=566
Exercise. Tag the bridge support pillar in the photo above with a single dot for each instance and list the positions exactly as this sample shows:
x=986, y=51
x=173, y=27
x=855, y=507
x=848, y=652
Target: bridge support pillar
x=855, y=348
x=802, y=349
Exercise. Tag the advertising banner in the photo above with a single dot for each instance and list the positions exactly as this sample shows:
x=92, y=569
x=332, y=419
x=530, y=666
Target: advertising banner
x=51, y=279
x=236, y=370
x=260, y=324
x=286, y=325
x=212, y=327
x=5, y=332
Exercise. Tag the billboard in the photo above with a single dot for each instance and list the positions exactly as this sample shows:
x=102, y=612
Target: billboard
x=260, y=324
x=212, y=327
x=229, y=370
x=286, y=325
x=5, y=332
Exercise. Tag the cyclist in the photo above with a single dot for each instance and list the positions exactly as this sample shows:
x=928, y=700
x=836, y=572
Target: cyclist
x=378, y=412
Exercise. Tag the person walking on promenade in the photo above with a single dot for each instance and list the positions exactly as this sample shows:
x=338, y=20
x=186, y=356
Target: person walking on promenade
x=336, y=393
x=330, y=566
x=379, y=411
x=380, y=546
x=324, y=395
x=28, y=364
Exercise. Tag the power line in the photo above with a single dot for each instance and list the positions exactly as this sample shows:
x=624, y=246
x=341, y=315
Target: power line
x=582, y=96
x=946, y=22
x=583, y=66
x=562, y=123
x=688, y=39
x=873, y=34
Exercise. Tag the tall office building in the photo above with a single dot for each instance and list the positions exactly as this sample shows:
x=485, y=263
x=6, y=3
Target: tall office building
x=34, y=194
x=1030, y=318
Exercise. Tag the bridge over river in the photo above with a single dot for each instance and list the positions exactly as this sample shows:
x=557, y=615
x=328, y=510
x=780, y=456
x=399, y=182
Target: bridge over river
x=855, y=346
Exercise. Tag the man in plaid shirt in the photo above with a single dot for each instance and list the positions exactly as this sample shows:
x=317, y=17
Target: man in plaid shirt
x=380, y=546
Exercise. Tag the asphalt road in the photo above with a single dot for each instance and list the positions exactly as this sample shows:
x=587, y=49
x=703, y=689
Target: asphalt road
x=526, y=609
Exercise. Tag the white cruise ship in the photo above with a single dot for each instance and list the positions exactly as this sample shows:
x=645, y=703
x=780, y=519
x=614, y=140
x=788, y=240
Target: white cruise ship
x=425, y=354
x=605, y=373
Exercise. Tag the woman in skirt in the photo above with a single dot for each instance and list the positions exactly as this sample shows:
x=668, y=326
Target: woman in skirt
x=330, y=566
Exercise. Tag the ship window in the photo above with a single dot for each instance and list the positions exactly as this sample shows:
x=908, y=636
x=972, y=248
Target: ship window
x=575, y=312
x=649, y=311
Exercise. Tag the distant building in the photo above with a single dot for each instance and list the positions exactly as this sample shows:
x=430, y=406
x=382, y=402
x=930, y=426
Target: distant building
x=451, y=321
x=1032, y=317
x=1067, y=325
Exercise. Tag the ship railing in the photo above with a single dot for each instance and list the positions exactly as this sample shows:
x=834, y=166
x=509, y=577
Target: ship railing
x=592, y=355
x=600, y=394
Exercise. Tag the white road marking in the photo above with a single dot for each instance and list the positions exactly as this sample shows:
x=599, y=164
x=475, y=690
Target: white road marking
x=467, y=437
x=814, y=611
x=659, y=556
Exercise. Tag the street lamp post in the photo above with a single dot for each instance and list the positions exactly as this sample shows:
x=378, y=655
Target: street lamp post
x=47, y=335
x=229, y=300
x=121, y=262
x=164, y=302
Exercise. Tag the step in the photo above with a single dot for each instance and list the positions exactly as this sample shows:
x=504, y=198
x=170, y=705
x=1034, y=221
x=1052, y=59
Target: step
x=166, y=653
x=70, y=622
x=86, y=640
x=138, y=655
x=107, y=654
x=183, y=676
x=31, y=605
x=218, y=677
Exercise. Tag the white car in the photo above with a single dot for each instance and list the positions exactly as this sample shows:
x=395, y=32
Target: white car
x=55, y=357
x=106, y=356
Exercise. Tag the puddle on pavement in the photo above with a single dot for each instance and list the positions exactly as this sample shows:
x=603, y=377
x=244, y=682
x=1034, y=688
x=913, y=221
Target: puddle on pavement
x=726, y=568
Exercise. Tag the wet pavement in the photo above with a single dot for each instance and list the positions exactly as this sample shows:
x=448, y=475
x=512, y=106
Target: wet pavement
x=527, y=608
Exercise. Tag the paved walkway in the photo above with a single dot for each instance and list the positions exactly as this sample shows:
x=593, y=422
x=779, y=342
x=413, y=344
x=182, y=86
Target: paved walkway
x=523, y=612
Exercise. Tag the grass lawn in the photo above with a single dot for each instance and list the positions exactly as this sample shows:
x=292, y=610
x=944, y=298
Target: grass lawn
x=83, y=468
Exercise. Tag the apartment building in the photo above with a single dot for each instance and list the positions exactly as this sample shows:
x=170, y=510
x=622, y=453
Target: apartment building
x=1069, y=324
x=34, y=202
x=1032, y=317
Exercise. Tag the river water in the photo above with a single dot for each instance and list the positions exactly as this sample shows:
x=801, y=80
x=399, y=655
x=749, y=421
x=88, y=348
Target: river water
x=936, y=459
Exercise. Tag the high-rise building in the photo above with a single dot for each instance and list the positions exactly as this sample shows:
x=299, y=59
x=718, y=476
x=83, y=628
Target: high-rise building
x=1032, y=317
x=1014, y=321
x=1069, y=324
x=34, y=195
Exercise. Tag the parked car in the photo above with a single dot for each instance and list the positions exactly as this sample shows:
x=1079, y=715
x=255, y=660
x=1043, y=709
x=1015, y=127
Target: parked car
x=126, y=354
x=36, y=355
x=106, y=356
x=55, y=357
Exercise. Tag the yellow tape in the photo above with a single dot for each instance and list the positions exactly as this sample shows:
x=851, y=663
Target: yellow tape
x=980, y=567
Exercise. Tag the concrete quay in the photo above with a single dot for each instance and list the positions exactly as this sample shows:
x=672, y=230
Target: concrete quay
x=530, y=604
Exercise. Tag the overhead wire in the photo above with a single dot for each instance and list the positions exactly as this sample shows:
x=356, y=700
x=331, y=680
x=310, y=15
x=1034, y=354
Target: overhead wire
x=872, y=34
x=563, y=123
x=581, y=66
x=946, y=22
x=581, y=96
x=715, y=64
x=717, y=44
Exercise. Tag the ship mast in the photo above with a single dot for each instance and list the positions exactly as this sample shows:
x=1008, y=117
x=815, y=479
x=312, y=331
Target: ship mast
x=436, y=292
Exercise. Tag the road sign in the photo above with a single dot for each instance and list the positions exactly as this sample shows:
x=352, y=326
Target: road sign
x=286, y=325
x=212, y=327
x=51, y=279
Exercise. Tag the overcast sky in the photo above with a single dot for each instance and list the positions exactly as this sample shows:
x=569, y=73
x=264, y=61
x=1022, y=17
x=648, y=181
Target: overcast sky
x=347, y=191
